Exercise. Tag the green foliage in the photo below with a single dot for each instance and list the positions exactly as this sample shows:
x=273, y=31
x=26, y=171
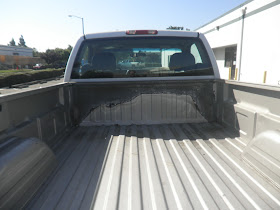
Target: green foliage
x=3, y=66
x=7, y=72
x=12, y=42
x=35, y=53
x=21, y=42
x=12, y=78
x=50, y=56
x=69, y=48
x=57, y=55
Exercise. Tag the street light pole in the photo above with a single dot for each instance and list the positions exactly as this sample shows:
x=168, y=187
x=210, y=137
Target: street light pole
x=82, y=22
x=83, y=26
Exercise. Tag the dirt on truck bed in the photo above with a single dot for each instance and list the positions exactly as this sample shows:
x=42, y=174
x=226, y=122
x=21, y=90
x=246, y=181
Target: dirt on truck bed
x=175, y=166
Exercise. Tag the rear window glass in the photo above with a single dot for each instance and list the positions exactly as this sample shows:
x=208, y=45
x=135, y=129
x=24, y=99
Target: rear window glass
x=141, y=57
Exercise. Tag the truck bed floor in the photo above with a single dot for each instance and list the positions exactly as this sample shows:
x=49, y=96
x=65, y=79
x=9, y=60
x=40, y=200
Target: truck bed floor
x=178, y=166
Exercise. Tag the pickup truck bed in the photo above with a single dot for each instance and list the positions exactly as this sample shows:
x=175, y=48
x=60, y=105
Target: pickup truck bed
x=107, y=139
x=175, y=166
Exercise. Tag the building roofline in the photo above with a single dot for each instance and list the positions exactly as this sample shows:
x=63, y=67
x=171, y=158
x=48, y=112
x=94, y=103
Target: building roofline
x=1, y=45
x=235, y=8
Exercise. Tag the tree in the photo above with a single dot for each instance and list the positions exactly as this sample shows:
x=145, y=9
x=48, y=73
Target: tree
x=12, y=42
x=21, y=42
x=56, y=56
x=50, y=56
x=35, y=53
x=69, y=48
x=63, y=54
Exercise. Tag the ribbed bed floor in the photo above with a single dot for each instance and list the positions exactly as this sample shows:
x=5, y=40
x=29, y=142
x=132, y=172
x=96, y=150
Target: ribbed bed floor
x=178, y=166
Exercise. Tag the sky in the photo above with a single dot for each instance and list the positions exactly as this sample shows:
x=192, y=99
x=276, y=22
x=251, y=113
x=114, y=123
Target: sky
x=46, y=25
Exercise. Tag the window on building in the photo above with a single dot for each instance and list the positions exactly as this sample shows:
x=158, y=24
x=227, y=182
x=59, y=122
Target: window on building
x=230, y=60
x=230, y=56
x=15, y=53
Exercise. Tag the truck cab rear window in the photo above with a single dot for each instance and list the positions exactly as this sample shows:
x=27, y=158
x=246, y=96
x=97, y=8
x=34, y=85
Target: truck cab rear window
x=141, y=57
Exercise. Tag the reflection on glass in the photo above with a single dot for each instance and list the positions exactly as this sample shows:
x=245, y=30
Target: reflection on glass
x=141, y=57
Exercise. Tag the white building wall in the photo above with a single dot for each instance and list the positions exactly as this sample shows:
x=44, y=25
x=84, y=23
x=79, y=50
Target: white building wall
x=260, y=40
x=225, y=36
x=261, y=47
x=14, y=50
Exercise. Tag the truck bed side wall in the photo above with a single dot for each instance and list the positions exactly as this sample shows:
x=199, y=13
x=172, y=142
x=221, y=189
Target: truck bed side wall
x=250, y=109
x=41, y=113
